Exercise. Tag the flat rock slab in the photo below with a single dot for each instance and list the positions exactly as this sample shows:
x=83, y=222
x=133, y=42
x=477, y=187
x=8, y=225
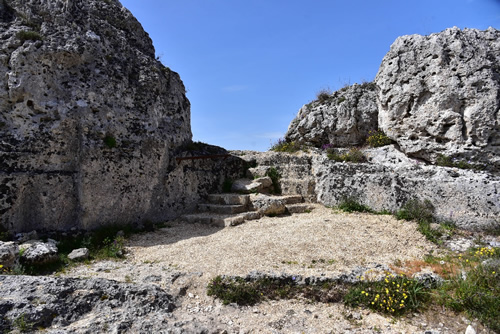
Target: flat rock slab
x=98, y=305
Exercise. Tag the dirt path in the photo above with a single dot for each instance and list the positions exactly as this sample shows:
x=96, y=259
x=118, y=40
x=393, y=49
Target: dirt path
x=183, y=258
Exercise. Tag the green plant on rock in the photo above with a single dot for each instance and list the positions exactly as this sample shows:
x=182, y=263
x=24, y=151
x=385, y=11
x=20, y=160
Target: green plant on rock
x=351, y=204
x=109, y=141
x=29, y=36
x=233, y=291
x=284, y=146
x=354, y=155
x=446, y=161
x=21, y=324
x=378, y=139
x=275, y=176
x=324, y=95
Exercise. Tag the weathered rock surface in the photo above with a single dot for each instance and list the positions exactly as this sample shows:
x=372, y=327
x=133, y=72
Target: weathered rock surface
x=268, y=205
x=9, y=252
x=91, y=122
x=247, y=186
x=440, y=94
x=470, y=199
x=344, y=119
x=79, y=254
x=387, y=181
x=70, y=305
x=38, y=252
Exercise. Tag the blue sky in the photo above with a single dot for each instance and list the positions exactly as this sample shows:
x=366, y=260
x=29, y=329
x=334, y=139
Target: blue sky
x=249, y=66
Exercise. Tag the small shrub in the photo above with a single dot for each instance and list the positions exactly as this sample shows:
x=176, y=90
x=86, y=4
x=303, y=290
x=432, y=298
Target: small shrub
x=29, y=36
x=340, y=100
x=354, y=155
x=351, y=204
x=275, y=176
x=227, y=185
x=446, y=161
x=22, y=324
x=395, y=295
x=323, y=95
x=415, y=209
x=109, y=141
x=283, y=146
x=378, y=139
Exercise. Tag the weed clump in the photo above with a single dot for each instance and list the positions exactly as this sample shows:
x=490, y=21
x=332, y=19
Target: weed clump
x=354, y=155
x=29, y=36
x=283, y=146
x=351, y=204
x=446, y=161
x=423, y=213
x=323, y=95
x=275, y=176
x=378, y=139
x=109, y=141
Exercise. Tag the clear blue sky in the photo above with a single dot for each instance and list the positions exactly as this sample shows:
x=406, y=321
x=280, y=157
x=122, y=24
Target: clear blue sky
x=249, y=66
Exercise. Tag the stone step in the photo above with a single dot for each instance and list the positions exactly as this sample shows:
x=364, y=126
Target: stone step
x=219, y=220
x=291, y=199
x=299, y=208
x=222, y=209
x=229, y=199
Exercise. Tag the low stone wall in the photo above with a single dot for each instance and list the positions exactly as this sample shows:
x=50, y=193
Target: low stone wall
x=471, y=199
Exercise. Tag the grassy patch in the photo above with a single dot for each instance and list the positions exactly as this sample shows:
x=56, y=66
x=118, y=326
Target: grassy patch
x=351, y=204
x=283, y=146
x=423, y=213
x=354, y=155
x=446, y=161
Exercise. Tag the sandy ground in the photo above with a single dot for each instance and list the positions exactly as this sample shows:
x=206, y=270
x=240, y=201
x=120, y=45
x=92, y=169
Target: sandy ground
x=183, y=258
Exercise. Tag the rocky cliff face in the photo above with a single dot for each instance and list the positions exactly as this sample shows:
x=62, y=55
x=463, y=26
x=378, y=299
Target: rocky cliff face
x=437, y=94
x=343, y=118
x=440, y=94
x=88, y=117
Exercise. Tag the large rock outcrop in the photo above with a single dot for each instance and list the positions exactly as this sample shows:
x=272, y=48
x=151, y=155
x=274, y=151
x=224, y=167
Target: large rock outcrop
x=440, y=94
x=343, y=118
x=433, y=95
x=89, y=120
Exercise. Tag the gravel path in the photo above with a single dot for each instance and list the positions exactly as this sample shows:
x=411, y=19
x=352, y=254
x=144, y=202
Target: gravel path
x=182, y=259
x=320, y=242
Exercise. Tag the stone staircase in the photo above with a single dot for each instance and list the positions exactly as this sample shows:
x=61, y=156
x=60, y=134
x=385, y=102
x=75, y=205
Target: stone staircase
x=232, y=209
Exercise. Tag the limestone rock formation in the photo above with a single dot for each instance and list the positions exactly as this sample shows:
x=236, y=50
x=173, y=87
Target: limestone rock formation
x=440, y=94
x=342, y=119
x=90, y=121
x=83, y=305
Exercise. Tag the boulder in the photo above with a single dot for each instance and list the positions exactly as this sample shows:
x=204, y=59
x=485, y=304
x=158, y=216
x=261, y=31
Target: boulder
x=38, y=252
x=9, y=253
x=69, y=305
x=343, y=119
x=79, y=254
x=246, y=186
x=440, y=94
x=268, y=205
